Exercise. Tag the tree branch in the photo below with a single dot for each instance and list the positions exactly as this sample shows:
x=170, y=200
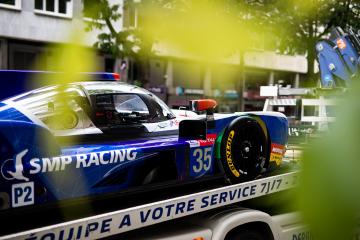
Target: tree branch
x=111, y=27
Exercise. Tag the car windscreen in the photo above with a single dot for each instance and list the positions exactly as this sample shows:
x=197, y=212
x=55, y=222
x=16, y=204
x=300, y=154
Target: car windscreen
x=127, y=103
x=112, y=110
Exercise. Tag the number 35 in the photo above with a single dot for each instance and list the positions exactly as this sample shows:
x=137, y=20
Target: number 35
x=203, y=159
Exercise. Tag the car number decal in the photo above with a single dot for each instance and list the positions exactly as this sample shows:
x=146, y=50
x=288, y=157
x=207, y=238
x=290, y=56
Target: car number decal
x=202, y=157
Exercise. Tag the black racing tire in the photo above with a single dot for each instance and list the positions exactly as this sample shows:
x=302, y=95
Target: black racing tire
x=244, y=149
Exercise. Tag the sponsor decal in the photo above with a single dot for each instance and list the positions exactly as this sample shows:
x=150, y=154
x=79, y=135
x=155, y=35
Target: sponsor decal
x=174, y=123
x=60, y=163
x=19, y=168
x=120, y=221
x=277, y=153
x=229, y=155
x=304, y=235
x=210, y=140
x=194, y=143
x=341, y=44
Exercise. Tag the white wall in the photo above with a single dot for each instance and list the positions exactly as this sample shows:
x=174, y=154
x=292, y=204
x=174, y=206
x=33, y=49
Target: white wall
x=272, y=61
x=27, y=25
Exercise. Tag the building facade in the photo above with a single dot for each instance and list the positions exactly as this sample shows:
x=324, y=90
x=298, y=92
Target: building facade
x=27, y=27
x=236, y=88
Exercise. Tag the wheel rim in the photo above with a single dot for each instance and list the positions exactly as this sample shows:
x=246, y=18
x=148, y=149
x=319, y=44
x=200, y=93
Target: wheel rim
x=248, y=149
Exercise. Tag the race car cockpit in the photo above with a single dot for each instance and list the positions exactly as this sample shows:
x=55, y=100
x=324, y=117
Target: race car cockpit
x=93, y=108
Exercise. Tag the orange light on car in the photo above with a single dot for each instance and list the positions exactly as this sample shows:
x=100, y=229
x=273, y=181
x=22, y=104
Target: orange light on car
x=204, y=104
x=199, y=238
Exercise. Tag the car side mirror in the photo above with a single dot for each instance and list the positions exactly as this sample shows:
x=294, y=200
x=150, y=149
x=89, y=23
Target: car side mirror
x=207, y=105
x=200, y=105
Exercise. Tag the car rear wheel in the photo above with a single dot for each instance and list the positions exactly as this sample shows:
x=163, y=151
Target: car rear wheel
x=244, y=149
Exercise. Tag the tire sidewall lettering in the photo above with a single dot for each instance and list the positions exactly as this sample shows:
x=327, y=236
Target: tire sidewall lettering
x=229, y=159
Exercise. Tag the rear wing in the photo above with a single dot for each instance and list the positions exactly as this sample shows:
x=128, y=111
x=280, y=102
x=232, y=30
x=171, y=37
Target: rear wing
x=15, y=82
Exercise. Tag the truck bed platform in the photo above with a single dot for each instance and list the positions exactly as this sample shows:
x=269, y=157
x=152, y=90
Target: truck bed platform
x=120, y=221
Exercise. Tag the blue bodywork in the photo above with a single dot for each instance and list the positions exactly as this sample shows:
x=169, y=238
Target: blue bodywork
x=37, y=167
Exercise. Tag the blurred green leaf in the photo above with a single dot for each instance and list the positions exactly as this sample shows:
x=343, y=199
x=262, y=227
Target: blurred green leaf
x=329, y=191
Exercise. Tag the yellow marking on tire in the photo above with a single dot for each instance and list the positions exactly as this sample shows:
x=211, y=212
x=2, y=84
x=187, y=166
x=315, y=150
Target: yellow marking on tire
x=229, y=155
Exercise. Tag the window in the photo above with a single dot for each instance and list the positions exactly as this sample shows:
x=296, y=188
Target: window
x=120, y=109
x=310, y=111
x=11, y=4
x=23, y=56
x=127, y=103
x=62, y=8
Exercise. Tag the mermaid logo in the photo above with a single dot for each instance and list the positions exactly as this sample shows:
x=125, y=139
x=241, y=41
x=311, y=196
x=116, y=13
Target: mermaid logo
x=17, y=165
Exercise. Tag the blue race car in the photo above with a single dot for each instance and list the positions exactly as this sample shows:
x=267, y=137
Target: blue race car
x=83, y=139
